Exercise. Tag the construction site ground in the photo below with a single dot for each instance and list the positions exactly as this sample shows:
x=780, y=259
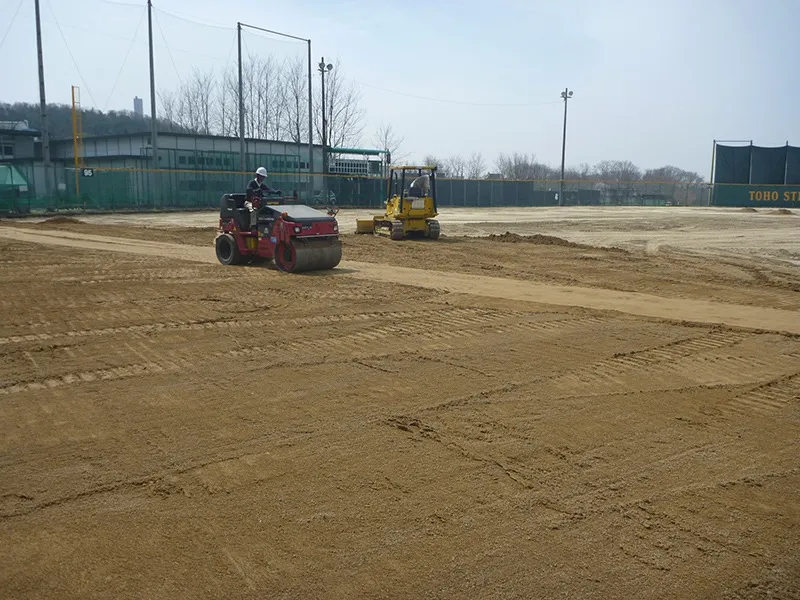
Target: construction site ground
x=544, y=403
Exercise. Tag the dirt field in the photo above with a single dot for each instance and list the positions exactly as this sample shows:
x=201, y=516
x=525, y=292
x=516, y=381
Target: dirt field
x=765, y=233
x=483, y=417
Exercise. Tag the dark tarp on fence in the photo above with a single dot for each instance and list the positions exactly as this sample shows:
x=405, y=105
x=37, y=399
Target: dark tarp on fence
x=793, y=165
x=757, y=165
x=768, y=165
x=732, y=164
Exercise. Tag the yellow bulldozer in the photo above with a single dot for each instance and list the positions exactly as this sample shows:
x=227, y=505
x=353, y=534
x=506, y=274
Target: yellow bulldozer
x=411, y=208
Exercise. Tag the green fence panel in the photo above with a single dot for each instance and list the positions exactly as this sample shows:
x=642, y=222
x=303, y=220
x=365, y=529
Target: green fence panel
x=200, y=188
x=777, y=196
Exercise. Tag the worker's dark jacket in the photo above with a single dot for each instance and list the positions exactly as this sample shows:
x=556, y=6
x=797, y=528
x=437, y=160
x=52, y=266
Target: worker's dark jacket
x=256, y=190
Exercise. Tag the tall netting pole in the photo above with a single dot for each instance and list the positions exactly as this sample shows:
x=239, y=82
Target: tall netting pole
x=242, y=166
x=310, y=190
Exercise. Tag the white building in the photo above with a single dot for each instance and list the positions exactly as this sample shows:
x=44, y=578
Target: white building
x=138, y=107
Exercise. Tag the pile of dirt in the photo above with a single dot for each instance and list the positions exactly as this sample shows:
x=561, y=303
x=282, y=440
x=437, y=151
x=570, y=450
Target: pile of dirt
x=782, y=211
x=748, y=209
x=545, y=240
x=59, y=221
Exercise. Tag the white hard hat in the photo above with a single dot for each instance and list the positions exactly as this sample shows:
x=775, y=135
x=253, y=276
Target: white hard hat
x=261, y=171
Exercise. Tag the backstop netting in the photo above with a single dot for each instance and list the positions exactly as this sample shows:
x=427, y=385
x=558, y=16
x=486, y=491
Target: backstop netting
x=749, y=175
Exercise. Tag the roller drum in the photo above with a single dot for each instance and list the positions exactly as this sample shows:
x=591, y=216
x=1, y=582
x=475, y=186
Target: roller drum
x=313, y=256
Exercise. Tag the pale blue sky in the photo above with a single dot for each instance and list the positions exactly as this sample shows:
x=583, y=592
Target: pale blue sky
x=655, y=81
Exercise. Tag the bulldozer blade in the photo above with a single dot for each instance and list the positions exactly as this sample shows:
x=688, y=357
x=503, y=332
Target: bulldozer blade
x=365, y=226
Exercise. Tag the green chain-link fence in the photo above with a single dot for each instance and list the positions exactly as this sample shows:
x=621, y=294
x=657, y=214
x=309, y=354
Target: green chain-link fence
x=23, y=191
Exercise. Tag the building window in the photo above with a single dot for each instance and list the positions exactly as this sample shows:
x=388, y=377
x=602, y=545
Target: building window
x=7, y=150
x=181, y=160
x=191, y=160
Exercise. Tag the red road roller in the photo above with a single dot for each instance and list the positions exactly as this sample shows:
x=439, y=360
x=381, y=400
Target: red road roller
x=297, y=237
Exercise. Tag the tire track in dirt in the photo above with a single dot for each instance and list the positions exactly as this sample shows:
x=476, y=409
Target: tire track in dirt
x=45, y=302
x=199, y=324
x=421, y=332
x=113, y=373
x=767, y=399
x=16, y=505
x=95, y=277
x=421, y=430
x=672, y=309
x=704, y=360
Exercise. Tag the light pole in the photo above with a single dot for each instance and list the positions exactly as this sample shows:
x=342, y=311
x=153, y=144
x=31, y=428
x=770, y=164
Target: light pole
x=566, y=95
x=324, y=68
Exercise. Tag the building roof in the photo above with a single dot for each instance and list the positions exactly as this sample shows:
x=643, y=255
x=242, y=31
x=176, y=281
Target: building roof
x=113, y=136
x=17, y=128
x=216, y=137
x=18, y=133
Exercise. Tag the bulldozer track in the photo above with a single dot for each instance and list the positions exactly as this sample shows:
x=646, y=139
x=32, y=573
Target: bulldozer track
x=428, y=332
x=113, y=373
x=688, y=362
x=768, y=398
x=467, y=315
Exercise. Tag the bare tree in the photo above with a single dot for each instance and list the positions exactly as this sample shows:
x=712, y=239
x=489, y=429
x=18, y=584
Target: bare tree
x=168, y=109
x=670, y=174
x=252, y=113
x=429, y=160
x=275, y=101
x=617, y=171
x=456, y=166
x=201, y=90
x=522, y=166
x=682, y=186
x=579, y=173
x=227, y=106
x=343, y=113
x=386, y=139
x=191, y=106
x=476, y=167
x=295, y=101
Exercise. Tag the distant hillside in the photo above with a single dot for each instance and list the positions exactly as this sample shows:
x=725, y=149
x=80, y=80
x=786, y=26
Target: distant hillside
x=95, y=122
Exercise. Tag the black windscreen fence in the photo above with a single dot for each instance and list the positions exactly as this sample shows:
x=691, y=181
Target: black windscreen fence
x=757, y=165
x=768, y=165
x=732, y=164
x=793, y=165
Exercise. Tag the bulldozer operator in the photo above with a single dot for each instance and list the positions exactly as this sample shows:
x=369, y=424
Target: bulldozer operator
x=420, y=187
x=255, y=194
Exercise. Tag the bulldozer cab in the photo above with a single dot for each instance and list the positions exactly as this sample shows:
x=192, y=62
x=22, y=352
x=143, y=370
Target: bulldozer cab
x=411, y=208
x=412, y=191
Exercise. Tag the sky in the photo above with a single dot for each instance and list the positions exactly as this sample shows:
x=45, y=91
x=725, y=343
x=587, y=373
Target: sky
x=655, y=82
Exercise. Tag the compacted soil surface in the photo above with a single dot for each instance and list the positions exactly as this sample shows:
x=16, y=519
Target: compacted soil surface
x=512, y=415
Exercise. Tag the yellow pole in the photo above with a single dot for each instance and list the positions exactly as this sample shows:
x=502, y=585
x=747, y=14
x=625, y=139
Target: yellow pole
x=76, y=101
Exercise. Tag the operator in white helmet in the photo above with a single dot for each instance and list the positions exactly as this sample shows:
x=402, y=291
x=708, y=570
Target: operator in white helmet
x=255, y=191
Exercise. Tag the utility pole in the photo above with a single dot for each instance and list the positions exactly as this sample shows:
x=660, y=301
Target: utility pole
x=242, y=165
x=310, y=128
x=153, y=121
x=43, y=105
x=324, y=68
x=566, y=95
